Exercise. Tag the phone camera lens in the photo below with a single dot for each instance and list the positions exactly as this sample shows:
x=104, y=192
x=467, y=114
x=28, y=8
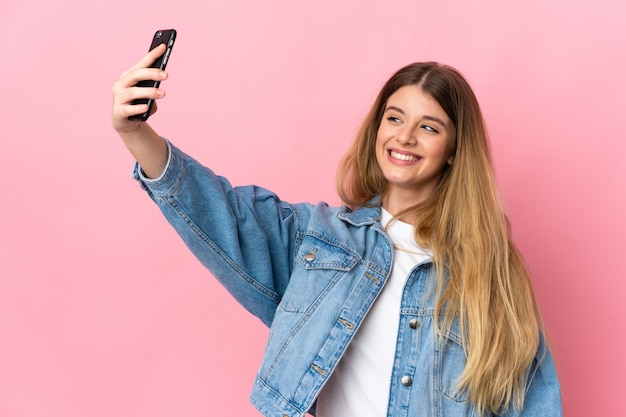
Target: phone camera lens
x=158, y=34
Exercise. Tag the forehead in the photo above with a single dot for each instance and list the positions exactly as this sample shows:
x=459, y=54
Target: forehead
x=411, y=99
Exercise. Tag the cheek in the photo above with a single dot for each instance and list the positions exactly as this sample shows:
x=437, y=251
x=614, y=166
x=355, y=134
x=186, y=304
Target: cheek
x=439, y=153
x=443, y=148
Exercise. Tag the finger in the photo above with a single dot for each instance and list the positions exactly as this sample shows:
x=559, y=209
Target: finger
x=123, y=108
x=145, y=62
x=131, y=78
x=150, y=57
x=124, y=111
x=126, y=96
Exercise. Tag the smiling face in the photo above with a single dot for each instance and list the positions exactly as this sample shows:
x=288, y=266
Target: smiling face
x=413, y=145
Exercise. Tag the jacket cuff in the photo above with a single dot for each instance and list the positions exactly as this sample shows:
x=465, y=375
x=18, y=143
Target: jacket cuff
x=169, y=181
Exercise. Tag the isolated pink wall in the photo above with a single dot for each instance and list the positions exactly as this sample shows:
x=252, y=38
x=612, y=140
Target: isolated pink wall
x=103, y=312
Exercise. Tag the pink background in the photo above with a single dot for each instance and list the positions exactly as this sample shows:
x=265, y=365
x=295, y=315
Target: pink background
x=103, y=312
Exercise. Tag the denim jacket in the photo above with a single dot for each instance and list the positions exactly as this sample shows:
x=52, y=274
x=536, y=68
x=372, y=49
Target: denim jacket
x=311, y=273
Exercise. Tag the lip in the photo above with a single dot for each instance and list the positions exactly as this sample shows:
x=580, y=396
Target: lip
x=403, y=157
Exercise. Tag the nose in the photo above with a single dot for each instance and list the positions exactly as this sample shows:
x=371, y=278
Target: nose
x=406, y=137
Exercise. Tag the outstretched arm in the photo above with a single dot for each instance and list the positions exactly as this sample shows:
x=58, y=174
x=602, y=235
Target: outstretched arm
x=147, y=147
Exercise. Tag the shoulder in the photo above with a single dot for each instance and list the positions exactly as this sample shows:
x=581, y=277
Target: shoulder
x=341, y=224
x=325, y=216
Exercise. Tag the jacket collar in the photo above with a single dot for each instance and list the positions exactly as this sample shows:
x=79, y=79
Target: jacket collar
x=362, y=216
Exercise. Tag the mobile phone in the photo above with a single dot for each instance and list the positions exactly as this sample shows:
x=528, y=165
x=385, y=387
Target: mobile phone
x=160, y=36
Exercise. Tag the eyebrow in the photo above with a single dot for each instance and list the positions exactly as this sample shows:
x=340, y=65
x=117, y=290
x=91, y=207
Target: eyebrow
x=427, y=117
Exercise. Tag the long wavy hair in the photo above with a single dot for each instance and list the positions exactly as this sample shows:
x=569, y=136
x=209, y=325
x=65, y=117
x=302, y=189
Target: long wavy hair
x=488, y=287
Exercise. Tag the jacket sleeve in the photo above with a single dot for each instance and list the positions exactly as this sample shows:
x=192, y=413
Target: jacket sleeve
x=543, y=391
x=246, y=236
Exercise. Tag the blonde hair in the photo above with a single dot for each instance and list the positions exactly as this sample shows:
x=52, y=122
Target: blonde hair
x=488, y=286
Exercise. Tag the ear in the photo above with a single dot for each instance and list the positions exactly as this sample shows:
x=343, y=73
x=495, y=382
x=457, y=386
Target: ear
x=450, y=160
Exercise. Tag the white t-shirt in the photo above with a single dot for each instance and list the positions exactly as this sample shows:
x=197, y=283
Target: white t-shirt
x=359, y=386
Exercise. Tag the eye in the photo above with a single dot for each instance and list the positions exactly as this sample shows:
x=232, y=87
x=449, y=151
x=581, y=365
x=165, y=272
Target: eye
x=393, y=119
x=429, y=128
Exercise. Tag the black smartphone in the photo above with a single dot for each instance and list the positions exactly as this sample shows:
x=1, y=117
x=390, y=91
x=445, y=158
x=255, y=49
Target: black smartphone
x=160, y=36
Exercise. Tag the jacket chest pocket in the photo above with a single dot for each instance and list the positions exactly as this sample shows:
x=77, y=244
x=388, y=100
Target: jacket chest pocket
x=319, y=266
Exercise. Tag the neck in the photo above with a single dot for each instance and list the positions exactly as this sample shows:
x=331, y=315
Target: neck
x=398, y=199
x=395, y=206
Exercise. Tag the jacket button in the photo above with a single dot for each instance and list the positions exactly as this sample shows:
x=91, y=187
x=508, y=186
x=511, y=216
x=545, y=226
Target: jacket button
x=414, y=324
x=311, y=255
x=406, y=381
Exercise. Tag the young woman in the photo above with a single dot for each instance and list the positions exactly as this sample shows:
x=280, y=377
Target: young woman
x=410, y=300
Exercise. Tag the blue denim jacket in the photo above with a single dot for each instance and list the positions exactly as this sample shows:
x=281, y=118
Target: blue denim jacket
x=311, y=273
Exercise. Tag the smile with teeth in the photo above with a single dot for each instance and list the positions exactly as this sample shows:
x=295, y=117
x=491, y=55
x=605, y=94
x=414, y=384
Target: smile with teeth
x=403, y=157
